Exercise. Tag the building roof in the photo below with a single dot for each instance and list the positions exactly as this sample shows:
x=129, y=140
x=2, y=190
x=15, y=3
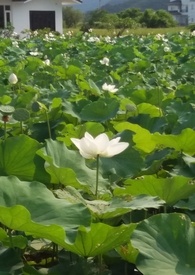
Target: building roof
x=176, y=2
x=64, y=2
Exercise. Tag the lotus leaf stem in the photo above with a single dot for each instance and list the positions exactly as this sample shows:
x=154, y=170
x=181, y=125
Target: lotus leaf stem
x=97, y=175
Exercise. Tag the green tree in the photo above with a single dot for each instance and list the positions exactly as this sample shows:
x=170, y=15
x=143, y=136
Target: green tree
x=102, y=19
x=165, y=19
x=157, y=19
x=132, y=13
x=96, y=16
x=147, y=16
x=72, y=17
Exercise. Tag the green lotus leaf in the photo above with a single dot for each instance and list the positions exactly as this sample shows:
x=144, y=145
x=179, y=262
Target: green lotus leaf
x=3, y=234
x=188, y=204
x=184, y=142
x=94, y=88
x=37, y=106
x=18, y=218
x=142, y=138
x=68, y=167
x=126, y=164
x=17, y=155
x=44, y=208
x=100, y=110
x=128, y=252
x=10, y=261
x=146, y=108
x=100, y=239
x=33, y=63
x=119, y=206
x=18, y=241
x=5, y=99
x=166, y=244
x=72, y=70
x=171, y=190
x=30, y=270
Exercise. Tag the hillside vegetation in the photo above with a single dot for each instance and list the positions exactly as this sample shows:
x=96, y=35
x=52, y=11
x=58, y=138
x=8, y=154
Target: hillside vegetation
x=116, y=5
x=130, y=18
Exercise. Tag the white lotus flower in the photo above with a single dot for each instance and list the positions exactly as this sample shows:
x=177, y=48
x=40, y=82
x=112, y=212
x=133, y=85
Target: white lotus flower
x=90, y=147
x=93, y=39
x=167, y=49
x=13, y=79
x=193, y=33
x=15, y=44
x=47, y=62
x=109, y=87
x=159, y=36
x=105, y=61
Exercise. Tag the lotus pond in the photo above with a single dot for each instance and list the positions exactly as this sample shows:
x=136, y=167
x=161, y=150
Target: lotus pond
x=97, y=154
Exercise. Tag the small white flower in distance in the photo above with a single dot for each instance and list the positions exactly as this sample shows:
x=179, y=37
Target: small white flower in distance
x=14, y=34
x=109, y=87
x=167, y=49
x=159, y=36
x=35, y=33
x=90, y=147
x=108, y=39
x=35, y=52
x=93, y=39
x=15, y=44
x=47, y=62
x=193, y=33
x=12, y=79
x=51, y=34
x=105, y=61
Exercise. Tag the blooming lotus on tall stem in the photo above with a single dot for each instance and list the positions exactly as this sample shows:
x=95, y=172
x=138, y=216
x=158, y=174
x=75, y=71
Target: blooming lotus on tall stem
x=100, y=146
x=109, y=88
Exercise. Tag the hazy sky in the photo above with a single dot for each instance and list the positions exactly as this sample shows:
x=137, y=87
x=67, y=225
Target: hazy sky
x=90, y=4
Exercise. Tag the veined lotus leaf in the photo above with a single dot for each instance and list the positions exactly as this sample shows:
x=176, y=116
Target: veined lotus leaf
x=10, y=261
x=142, y=137
x=17, y=156
x=166, y=244
x=100, y=110
x=120, y=206
x=100, y=239
x=184, y=142
x=68, y=167
x=43, y=206
x=170, y=190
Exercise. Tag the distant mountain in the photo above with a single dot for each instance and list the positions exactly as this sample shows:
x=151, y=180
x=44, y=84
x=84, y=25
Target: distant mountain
x=89, y=5
x=119, y=5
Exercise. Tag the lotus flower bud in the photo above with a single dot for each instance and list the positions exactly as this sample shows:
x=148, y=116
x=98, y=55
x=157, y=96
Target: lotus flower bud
x=13, y=79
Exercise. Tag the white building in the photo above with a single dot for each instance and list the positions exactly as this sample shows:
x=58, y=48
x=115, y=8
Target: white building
x=183, y=11
x=33, y=14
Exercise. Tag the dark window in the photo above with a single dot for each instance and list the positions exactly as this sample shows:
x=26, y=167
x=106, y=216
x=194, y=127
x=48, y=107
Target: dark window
x=8, y=19
x=7, y=8
x=42, y=19
x=2, y=17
